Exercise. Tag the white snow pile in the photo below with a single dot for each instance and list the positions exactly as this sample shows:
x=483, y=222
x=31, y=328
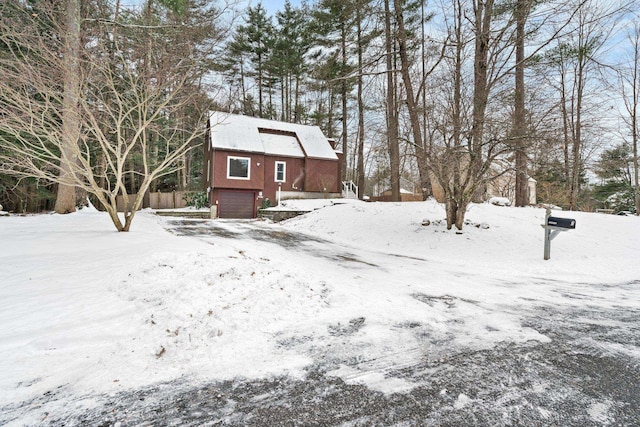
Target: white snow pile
x=496, y=241
x=86, y=310
x=500, y=201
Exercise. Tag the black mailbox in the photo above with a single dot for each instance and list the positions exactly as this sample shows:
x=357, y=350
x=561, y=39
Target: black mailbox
x=566, y=223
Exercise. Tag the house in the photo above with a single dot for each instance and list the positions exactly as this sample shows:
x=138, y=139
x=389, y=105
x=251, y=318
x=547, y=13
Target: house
x=405, y=196
x=503, y=185
x=248, y=160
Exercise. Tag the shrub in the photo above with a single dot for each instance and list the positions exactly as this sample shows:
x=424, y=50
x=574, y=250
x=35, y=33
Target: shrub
x=197, y=199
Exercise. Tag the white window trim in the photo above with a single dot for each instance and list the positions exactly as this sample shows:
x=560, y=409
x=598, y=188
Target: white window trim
x=284, y=172
x=248, y=159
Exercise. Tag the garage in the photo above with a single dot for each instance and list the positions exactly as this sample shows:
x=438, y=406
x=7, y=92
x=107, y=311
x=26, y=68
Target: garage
x=236, y=204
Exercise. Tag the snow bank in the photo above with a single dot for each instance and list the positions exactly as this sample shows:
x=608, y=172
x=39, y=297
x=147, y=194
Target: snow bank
x=495, y=240
x=86, y=310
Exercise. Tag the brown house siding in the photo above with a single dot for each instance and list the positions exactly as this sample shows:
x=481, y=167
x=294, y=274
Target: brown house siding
x=294, y=180
x=321, y=176
x=256, y=175
x=262, y=175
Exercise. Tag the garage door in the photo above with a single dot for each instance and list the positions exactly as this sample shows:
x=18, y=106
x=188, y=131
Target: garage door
x=236, y=204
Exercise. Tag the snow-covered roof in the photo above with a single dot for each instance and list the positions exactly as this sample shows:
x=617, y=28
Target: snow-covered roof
x=281, y=145
x=256, y=135
x=402, y=191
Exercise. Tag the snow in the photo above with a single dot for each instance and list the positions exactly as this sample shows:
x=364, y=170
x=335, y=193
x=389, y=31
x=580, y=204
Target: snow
x=500, y=201
x=87, y=311
x=281, y=145
x=499, y=241
x=307, y=205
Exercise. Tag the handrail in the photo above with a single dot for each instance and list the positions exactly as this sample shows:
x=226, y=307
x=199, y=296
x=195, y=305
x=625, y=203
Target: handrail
x=349, y=187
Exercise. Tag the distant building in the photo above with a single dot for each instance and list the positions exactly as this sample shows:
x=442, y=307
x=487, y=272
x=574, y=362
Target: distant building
x=405, y=196
x=503, y=185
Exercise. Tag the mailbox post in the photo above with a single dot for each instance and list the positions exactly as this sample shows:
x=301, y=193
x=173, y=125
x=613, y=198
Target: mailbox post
x=552, y=227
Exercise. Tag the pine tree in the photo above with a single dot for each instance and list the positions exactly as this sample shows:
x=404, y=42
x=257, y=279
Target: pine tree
x=292, y=42
x=335, y=20
x=257, y=38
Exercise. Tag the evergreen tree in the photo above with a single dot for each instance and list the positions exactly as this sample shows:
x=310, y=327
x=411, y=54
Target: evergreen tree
x=292, y=42
x=614, y=165
x=256, y=36
x=335, y=24
x=233, y=66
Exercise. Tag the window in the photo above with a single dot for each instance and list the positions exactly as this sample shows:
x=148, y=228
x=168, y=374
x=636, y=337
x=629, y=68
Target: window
x=281, y=172
x=238, y=167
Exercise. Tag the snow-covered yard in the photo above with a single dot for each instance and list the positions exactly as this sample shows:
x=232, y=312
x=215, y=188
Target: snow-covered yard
x=363, y=295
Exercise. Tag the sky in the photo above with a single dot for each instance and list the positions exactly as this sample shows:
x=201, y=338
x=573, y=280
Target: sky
x=273, y=6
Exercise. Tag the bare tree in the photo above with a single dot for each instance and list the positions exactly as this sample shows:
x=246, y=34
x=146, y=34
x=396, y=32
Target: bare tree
x=360, y=179
x=120, y=113
x=461, y=163
x=630, y=85
x=578, y=66
x=473, y=131
x=411, y=98
x=392, y=110
x=519, y=126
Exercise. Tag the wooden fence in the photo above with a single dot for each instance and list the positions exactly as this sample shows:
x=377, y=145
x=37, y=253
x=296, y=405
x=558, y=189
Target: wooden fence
x=173, y=200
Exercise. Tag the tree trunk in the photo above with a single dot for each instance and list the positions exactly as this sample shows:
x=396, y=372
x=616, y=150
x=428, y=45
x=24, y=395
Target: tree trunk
x=243, y=89
x=577, y=140
x=634, y=118
x=412, y=106
x=360, y=156
x=425, y=179
x=330, y=114
x=260, y=113
x=635, y=161
x=297, y=117
x=483, y=15
x=460, y=213
x=452, y=180
x=519, y=134
x=392, y=114
x=66, y=198
x=565, y=129
x=344, y=94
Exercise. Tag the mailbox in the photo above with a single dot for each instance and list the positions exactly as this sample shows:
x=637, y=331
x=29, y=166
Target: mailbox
x=552, y=227
x=565, y=223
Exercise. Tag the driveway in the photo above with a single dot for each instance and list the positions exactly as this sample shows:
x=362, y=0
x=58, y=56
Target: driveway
x=586, y=373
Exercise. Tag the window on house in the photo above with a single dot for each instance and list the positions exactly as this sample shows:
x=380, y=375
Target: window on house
x=238, y=167
x=281, y=172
